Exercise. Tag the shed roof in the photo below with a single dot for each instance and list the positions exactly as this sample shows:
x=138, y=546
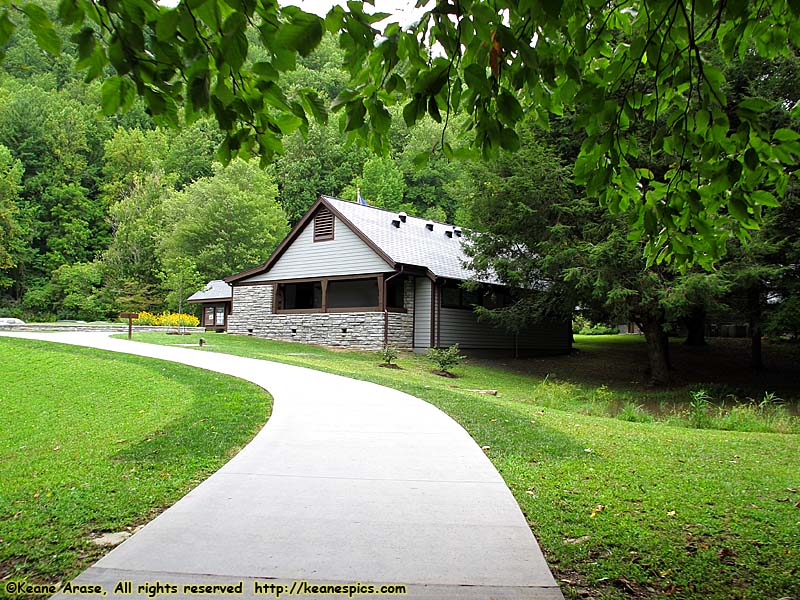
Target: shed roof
x=216, y=289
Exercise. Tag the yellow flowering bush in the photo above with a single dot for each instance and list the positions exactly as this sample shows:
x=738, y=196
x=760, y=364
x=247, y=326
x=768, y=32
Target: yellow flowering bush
x=167, y=319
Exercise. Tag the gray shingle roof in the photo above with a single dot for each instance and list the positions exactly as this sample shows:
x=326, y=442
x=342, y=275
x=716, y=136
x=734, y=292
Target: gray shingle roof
x=412, y=243
x=214, y=290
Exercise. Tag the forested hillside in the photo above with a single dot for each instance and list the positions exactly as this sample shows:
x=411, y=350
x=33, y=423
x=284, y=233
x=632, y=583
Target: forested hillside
x=102, y=214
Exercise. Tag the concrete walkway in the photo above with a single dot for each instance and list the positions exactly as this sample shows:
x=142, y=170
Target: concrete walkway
x=348, y=482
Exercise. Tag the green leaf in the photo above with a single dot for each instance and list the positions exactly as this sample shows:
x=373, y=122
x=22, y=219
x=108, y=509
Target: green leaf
x=475, y=78
x=411, y=112
x=167, y=25
x=6, y=28
x=738, y=209
x=380, y=118
x=110, y=95
x=315, y=105
x=421, y=159
x=785, y=135
x=70, y=12
x=302, y=34
x=356, y=111
x=552, y=7
x=42, y=28
x=509, y=140
x=764, y=198
x=509, y=107
x=756, y=105
x=751, y=159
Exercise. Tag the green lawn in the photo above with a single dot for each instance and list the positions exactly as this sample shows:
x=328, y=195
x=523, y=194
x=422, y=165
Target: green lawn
x=94, y=442
x=621, y=509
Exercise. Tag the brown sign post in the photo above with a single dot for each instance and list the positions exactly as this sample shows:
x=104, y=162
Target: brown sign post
x=130, y=317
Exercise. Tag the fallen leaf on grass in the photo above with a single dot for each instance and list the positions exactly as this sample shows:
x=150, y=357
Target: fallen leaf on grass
x=791, y=490
x=578, y=540
x=797, y=505
x=486, y=448
x=57, y=448
x=597, y=509
x=781, y=499
x=671, y=513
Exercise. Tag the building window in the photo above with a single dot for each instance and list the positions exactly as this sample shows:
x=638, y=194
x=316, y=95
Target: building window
x=395, y=298
x=209, y=315
x=220, y=316
x=352, y=293
x=306, y=295
x=323, y=225
x=455, y=296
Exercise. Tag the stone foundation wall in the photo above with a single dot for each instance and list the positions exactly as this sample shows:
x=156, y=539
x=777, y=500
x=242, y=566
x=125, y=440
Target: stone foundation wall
x=252, y=315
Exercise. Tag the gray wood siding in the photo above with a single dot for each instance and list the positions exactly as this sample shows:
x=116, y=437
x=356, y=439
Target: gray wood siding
x=462, y=327
x=422, y=314
x=346, y=254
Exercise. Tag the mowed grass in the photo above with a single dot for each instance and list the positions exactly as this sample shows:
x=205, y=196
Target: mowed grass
x=94, y=442
x=621, y=509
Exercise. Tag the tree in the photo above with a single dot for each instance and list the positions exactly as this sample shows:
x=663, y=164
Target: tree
x=224, y=223
x=129, y=154
x=132, y=261
x=10, y=234
x=382, y=184
x=618, y=66
x=558, y=250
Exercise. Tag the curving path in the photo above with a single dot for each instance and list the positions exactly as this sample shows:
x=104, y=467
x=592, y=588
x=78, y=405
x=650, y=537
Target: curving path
x=348, y=482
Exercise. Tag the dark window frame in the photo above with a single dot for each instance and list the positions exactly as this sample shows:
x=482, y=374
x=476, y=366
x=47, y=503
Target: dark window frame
x=277, y=309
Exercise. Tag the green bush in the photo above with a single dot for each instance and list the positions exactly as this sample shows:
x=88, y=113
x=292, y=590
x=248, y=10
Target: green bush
x=446, y=358
x=388, y=354
x=599, y=329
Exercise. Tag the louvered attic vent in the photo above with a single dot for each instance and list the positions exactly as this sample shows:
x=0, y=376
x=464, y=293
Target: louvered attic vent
x=323, y=225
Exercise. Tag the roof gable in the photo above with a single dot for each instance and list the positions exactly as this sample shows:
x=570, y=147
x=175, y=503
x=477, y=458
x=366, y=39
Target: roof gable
x=302, y=255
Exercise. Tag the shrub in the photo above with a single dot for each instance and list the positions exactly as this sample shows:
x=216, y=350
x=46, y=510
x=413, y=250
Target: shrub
x=599, y=329
x=146, y=318
x=446, y=358
x=167, y=319
x=388, y=354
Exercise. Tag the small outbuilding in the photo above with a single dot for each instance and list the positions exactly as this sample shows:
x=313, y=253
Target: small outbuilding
x=215, y=300
x=357, y=276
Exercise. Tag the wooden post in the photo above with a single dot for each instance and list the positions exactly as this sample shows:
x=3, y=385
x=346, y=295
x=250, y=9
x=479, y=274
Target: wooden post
x=130, y=317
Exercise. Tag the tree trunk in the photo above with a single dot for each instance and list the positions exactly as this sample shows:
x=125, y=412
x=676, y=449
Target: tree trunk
x=754, y=311
x=696, y=324
x=657, y=351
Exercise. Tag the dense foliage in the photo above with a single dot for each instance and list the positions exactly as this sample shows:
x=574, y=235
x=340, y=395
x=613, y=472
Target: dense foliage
x=646, y=80
x=103, y=214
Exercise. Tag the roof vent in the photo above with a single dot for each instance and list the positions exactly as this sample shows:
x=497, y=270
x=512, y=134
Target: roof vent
x=396, y=223
x=448, y=233
x=457, y=231
x=402, y=216
x=429, y=226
